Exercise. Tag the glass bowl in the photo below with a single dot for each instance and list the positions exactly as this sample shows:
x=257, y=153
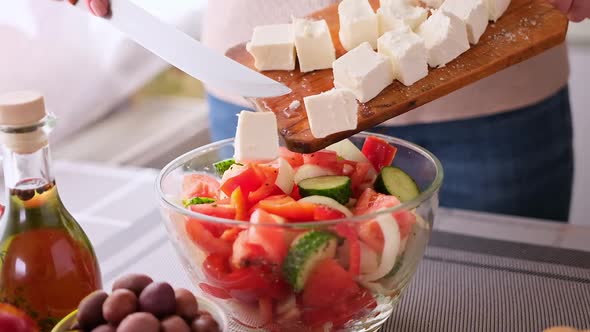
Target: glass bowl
x=405, y=232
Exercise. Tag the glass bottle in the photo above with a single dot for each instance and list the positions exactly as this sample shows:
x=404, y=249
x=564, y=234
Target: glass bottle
x=47, y=263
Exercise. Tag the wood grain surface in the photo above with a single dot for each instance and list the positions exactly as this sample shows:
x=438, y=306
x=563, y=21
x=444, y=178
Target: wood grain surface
x=528, y=28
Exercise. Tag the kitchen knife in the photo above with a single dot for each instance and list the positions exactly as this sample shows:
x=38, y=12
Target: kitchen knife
x=187, y=54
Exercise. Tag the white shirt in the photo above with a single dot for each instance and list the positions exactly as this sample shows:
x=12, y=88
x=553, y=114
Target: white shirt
x=83, y=66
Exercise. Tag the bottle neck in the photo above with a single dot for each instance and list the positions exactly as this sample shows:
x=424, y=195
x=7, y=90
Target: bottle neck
x=25, y=171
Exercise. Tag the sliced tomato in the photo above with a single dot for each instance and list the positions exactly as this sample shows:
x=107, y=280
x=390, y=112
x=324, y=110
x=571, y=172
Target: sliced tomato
x=359, y=177
x=225, y=211
x=200, y=185
x=270, y=238
x=379, y=152
x=266, y=190
x=275, y=199
x=266, y=173
x=268, y=176
x=215, y=291
x=354, y=255
x=245, y=284
x=245, y=253
x=293, y=158
x=325, y=213
x=238, y=202
x=247, y=180
x=230, y=234
x=325, y=159
x=405, y=221
x=327, y=284
x=295, y=193
x=265, y=306
x=296, y=211
x=280, y=199
x=370, y=233
x=370, y=201
x=340, y=313
x=203, y=239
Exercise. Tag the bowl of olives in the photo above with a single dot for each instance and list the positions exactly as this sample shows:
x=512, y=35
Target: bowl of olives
x=137, y=303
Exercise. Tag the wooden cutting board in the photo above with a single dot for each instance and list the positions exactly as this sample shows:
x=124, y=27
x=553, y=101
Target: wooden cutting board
x=528, y=28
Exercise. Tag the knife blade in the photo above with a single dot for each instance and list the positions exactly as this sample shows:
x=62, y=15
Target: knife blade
x=187, y=54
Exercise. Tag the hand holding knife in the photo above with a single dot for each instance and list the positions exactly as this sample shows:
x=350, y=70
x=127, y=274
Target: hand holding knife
x=182, y=51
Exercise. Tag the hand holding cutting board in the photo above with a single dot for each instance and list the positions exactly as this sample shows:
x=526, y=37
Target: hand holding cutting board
x=576, y=10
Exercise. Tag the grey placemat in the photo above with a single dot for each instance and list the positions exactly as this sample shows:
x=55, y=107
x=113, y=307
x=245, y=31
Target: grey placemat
x=474, y=284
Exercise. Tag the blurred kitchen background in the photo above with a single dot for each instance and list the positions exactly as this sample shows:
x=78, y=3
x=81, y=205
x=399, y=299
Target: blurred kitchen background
x=151, y=117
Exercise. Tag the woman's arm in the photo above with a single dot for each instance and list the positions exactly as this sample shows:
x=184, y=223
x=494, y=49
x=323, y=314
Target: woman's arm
x=576, y=10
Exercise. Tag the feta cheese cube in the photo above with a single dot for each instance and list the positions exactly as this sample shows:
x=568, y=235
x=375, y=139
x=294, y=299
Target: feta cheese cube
x=473, y=12
x=394, y=14
x=363, y=71
x=433, y=3
x=445, y=37
x=331, y=112
x=407, y=54
x=496, y=8
x=257, y=137
x=315, y=49
x=273, y=47
x=358, y=24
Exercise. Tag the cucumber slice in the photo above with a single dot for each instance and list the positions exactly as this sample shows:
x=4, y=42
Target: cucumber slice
x=197, y=200
x=394, y=181
x=224, y=165
x=337, y=187
x=306, y=251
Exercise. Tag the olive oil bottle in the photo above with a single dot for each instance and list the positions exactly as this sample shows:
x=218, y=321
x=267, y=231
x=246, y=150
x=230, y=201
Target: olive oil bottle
x=47, y=263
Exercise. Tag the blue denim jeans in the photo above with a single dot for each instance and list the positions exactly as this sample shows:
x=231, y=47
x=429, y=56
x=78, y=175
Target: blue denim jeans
x=518, y=163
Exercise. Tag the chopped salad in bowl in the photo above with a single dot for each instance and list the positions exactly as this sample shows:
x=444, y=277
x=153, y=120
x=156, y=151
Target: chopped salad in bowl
x=321, y=241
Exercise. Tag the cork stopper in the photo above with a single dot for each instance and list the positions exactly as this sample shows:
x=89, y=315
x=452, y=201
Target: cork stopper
x=22, y=109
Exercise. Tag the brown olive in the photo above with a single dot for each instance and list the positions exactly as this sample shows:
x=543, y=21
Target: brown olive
x=174, y=324
x=121, y=303
x=139, y=322
x=89, y=313
x=158, y=299
x=105, y=328
x=204, y=323
x=133, y=282
x=186, y=304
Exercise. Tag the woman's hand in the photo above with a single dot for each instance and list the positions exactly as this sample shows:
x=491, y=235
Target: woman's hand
x=576, y=10
x=97, y=7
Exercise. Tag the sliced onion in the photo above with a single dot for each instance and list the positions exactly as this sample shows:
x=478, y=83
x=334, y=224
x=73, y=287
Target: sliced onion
x=311, y=171
x=285, y=176
x=327, y=202
x=391, y=247
x=232, y=171
x=369, y=259
x=419, y=220
x=378, y=288
x=286, y=305
x=347, y=150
